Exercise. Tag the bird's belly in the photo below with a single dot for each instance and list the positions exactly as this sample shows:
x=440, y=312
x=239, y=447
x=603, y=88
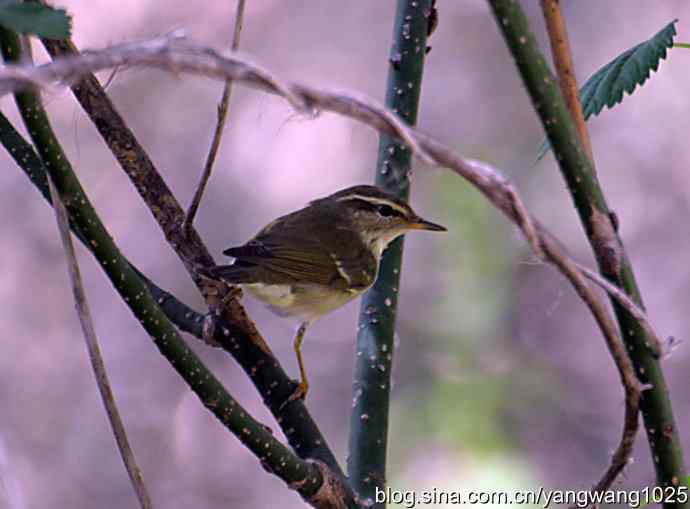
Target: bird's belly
x=304, y=302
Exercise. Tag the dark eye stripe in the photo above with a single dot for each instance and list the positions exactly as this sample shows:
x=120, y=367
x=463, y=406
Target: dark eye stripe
x=388, y=211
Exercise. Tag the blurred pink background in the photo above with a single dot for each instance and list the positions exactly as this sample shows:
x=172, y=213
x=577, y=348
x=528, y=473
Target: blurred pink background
x=501, y=379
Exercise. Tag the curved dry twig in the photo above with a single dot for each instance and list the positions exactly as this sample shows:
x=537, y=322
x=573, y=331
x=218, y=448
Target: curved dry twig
x=175, y=53
x=222, y=114
x=622, y=297
x=565, y=70
x=81, y=303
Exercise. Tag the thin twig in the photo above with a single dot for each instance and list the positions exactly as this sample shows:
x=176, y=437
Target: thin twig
x=218, y=134
x=82, y=305
x=656, y=344
x=565, y=69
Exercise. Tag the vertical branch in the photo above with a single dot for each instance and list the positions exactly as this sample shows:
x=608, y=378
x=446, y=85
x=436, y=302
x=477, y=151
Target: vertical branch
x=218, y=134
x=565, y=69
x=94, y=350
x=577, y=170
x=84, y=314
x=371, y=385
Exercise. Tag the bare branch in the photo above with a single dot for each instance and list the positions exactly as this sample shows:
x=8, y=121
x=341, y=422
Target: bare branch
x=565, y=70
x=657, y=345
x=563, y=60
x=82, y=306
x=218, y=134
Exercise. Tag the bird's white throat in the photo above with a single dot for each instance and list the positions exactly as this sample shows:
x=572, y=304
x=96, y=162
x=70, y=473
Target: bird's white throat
x=379, y=241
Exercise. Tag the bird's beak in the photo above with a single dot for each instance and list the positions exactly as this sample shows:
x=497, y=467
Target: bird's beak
x=423, y=224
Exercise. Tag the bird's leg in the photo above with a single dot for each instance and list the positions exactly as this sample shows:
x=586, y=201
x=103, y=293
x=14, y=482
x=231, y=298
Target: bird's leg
x=303, y=387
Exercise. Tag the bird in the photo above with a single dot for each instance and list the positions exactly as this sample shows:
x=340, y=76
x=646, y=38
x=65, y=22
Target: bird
x=310, y=262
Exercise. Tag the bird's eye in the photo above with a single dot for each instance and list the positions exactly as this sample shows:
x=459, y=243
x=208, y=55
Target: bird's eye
x=386, y=210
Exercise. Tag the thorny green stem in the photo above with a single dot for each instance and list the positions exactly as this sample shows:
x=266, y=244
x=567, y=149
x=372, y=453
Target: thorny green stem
x=662, y=433
x=375, y=339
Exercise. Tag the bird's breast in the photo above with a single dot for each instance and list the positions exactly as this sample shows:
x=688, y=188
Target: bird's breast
x=301, y=301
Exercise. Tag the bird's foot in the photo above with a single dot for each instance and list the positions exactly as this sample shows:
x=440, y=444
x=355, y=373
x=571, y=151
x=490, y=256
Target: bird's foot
x=300, y=393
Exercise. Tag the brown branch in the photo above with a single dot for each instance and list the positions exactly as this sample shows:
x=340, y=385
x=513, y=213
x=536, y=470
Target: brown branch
x=104, y=387
x=218, y=134
x=565, y=69
x=656, y=345
x=135, y=162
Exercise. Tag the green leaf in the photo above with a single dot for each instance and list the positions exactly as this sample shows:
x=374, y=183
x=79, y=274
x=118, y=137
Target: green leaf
x=623, y=74
x=38, y=19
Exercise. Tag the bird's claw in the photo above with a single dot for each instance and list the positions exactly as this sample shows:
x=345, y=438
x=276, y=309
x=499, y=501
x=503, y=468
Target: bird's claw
x=300, y=393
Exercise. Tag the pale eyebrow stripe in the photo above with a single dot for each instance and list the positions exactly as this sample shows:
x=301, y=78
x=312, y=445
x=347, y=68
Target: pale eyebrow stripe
x=376, y=201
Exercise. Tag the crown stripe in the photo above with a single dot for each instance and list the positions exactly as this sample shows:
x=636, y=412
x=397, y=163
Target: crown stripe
x=375, y=201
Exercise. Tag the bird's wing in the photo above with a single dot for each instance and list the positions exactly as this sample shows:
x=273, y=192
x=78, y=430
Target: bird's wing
x=286, y=254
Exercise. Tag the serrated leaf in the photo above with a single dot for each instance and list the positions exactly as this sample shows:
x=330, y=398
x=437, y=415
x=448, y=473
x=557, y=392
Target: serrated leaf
x=624, y=73
x=38, y=19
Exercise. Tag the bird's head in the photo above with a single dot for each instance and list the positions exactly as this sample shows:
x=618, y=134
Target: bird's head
x=378, y=216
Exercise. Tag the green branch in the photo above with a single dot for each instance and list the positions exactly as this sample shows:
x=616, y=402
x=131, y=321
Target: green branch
x=306, y=477
x=97, y=364
x=371, y=385
x=595, y=216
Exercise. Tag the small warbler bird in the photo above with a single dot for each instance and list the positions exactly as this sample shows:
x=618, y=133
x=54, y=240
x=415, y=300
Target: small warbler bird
x=312, y=261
